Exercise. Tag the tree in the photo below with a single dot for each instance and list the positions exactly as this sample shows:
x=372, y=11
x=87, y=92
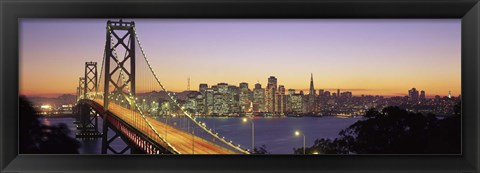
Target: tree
x=396, y=131
x=37, y=138
x=261, y=150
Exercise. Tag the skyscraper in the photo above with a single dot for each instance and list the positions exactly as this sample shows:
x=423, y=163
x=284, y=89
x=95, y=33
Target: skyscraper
x=271, y=90
x=311, y=96
x=202, y=88
x=422, y=95
x=321, y=93
x=209, y=101
x=289, y=96
x=244, y=94
x=258, y=98
x=296, y=101
x=234, y=98
x=272, y=80
x=413, y=95
x=281, y=100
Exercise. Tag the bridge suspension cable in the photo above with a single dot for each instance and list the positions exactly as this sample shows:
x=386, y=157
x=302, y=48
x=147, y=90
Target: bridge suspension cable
x=202, y=126
x=137, y=107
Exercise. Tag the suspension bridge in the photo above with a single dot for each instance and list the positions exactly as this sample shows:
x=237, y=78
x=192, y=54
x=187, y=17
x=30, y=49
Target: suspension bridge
x=112, y=95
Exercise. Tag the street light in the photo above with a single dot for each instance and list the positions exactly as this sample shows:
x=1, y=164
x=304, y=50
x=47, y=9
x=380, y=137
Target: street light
x=253, y=132
x=297, y=133
x=193, y=139
x=166, y=125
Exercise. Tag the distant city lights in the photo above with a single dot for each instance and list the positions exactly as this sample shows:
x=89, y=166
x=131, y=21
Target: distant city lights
x=45, y=106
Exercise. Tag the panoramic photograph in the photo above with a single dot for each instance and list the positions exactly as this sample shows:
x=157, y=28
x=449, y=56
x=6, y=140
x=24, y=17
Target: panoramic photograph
x=240, y=86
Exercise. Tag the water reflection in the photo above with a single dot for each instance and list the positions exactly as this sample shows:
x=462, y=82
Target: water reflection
x=275, y=133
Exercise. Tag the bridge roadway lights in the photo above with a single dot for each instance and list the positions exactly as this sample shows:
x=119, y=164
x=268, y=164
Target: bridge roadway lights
x=136, y=142
x=106, y=141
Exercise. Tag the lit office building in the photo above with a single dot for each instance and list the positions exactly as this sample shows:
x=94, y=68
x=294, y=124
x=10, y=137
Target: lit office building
x=296, y=101
x=191, y=102
x=233, y=98
x=321, y=93
x=346, y=95
x=202, y=88
x=258, y=98
x=201, y=104
x=289, y=100
x=222, y=88
x=270, y=94
x=413, y=95
x=220, y=105
x=281, y=100
x=422, y=95
x=326, y=94
x=244, y=97
x=209, y=100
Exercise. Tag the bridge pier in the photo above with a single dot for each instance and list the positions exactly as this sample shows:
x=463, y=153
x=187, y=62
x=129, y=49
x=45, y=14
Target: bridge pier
x=87, y=122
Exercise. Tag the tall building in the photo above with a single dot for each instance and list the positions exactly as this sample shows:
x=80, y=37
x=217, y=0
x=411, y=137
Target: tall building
x=202, y=88
x=221, y=99
x=244, y=97
x=413, y=95
x=220, y=106
x=422, y=95
x=290, y=93
x=191, y=103
x=311, y=96
x=222, y=88
x=321, y=93
x=209, y=101
x=281, y=100
x=327, y=94
x=296, y=101
x=270, y=93
x=258, y=98
x=346, y=95
x=233, y=98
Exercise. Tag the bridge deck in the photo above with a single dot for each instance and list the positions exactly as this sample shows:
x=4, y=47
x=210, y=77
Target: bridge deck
x=183, y=142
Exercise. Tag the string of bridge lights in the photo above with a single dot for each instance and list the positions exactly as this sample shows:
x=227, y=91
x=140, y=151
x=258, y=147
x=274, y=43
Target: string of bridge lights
x=134, y=100
x=200, y=124
x=101, y=71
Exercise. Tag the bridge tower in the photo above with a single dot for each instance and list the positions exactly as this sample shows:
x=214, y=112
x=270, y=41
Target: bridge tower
x=80, y=90
x=115, y=41
x=90, y=84
x=79, y=96
x=88, y=124
x=119, y=35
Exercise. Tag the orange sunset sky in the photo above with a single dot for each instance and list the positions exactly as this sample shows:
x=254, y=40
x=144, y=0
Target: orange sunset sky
x=372, y=57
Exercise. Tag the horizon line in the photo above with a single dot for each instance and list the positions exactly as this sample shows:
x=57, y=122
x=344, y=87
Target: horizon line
x=55, y=95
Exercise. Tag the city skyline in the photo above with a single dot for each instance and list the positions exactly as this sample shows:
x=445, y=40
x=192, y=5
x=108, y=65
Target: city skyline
x=255, y=54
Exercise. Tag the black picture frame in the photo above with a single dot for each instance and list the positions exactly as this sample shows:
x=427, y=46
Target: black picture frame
x=11, y=11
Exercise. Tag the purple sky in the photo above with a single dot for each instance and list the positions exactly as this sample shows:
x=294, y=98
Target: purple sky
x=385, y=57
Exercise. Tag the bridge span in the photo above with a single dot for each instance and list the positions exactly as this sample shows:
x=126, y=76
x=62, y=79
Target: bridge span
x=183, y=142
x=117, y=104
